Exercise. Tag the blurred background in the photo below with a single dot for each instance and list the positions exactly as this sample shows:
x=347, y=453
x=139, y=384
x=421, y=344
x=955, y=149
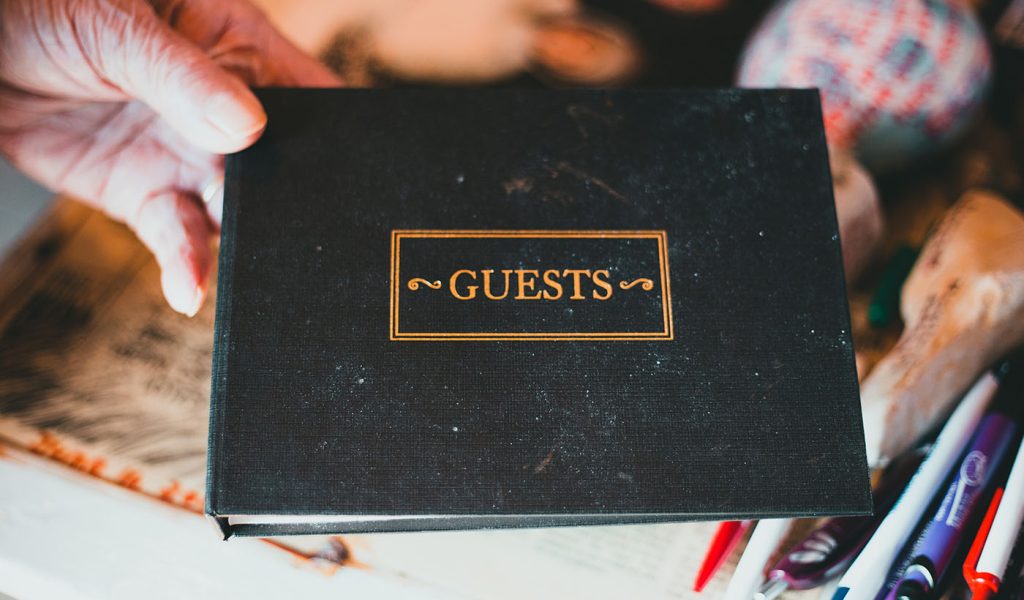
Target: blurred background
x=921, y=104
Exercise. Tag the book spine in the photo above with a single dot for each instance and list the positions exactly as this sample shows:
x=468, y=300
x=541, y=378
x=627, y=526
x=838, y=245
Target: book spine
x=222, y=333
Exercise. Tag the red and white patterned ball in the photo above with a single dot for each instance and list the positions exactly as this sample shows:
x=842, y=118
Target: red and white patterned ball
x=898, y=78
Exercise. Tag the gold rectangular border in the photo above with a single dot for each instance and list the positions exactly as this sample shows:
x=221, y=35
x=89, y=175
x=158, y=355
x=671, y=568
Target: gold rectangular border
x=667, y=333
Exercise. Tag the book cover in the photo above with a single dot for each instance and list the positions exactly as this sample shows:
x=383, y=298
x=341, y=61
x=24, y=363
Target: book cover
x=97, y=375
x=449, y=309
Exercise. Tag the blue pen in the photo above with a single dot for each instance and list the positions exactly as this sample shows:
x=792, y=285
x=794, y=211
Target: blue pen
x=867, y=574
x=944, y=534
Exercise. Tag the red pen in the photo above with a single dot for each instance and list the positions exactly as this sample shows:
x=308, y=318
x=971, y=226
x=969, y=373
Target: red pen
x=728, y=535
x=983, y=585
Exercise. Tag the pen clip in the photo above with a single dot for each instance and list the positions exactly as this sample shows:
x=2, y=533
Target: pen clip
x=974, y=578
x=771, y=589
x=725, y=540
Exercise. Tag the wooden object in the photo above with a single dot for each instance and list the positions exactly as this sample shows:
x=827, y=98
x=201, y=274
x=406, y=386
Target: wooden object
x=963, y=306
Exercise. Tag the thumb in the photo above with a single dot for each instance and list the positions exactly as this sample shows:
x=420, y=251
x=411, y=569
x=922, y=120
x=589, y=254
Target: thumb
x=175, y=228
x=209, y=106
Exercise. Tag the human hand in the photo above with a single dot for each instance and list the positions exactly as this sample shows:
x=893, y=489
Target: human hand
x=128, y=105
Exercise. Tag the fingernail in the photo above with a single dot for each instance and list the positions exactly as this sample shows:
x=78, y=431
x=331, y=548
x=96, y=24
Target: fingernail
x=183, y=298
x=216, y=211
x=238, y=117
x=197, y=303
x=212, y=195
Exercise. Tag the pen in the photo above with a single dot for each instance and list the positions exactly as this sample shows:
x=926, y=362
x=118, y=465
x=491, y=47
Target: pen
x=937, y=546
x=991, y=564
x=982, y=584
x=867, y=573
x=763, y=542
x=1012, y=586
x=827, y=550
x=729, y=534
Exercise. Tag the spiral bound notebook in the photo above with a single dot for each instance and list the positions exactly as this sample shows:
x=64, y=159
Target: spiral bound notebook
x=448, y=309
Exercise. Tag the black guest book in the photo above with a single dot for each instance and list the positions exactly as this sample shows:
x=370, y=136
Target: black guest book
x=451, y=309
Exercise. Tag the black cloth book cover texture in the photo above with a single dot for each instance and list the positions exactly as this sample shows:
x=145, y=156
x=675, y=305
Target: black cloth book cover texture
x=447, y=309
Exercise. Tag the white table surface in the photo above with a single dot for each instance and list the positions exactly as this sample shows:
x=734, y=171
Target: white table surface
x=62, y=535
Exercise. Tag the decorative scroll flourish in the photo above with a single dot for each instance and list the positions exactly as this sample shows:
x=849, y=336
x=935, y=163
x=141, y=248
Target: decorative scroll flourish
x=643, y=282
x=415, y=282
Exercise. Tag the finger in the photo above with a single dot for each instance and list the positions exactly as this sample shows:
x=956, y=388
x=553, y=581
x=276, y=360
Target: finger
x=173, y=226
x=238, y=36
x=296, y=68
x=285, y=63
x=209, y=106
x=212, y=196
x=266, y=57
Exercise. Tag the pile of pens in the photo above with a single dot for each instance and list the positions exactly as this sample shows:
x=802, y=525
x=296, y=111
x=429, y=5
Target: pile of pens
x=947, y=518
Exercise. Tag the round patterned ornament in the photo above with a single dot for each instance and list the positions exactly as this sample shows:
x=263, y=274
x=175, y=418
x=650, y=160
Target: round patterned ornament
x=898, y=78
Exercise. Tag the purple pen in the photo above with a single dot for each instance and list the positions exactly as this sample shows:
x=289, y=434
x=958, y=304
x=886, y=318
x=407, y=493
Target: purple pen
x=830, y=548
x=943, y=535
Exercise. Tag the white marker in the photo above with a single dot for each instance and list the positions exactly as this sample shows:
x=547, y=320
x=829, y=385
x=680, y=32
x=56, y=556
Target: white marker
x=749, y=573
x=867, y=573
x=1006, y=525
